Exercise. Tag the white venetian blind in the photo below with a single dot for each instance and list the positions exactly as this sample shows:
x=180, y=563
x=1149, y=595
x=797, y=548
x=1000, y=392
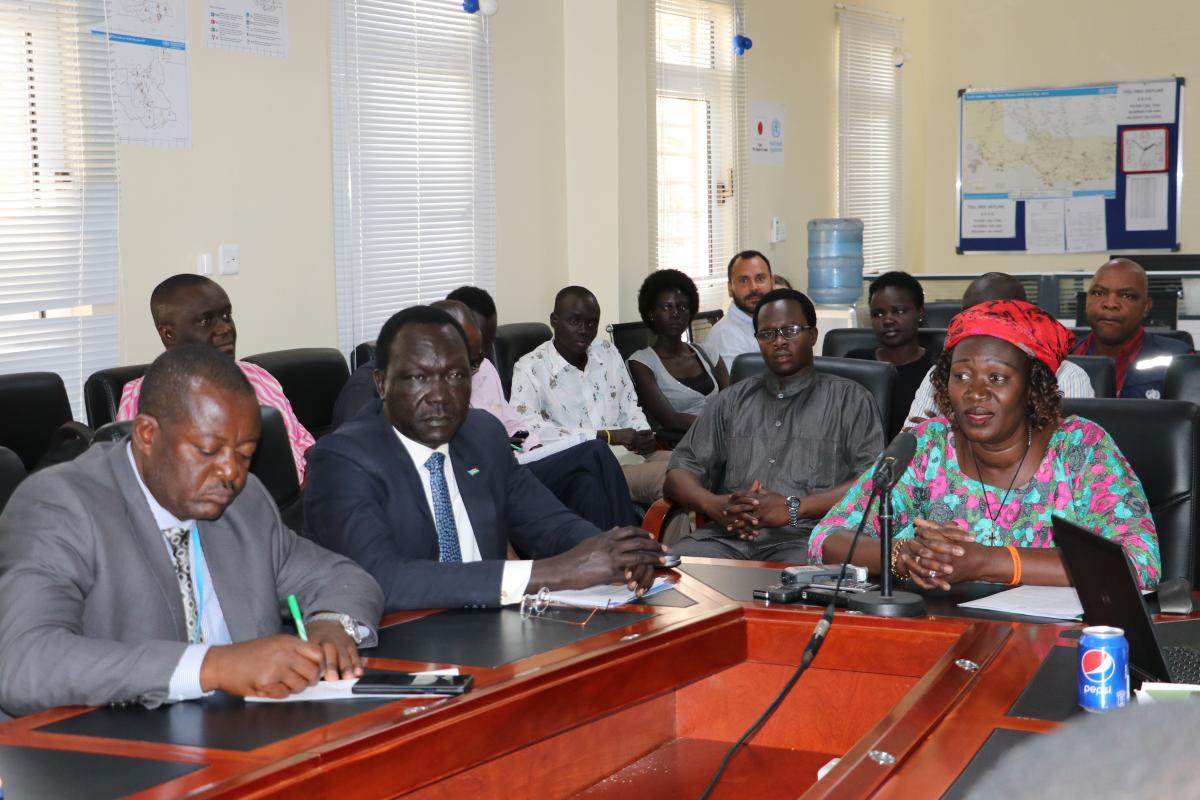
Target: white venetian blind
x=698, y=142
x=870, y=50
x=414, y=175
x=58, y=191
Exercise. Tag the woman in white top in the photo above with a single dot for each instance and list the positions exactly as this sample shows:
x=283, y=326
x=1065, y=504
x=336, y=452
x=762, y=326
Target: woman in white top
x=673, y=378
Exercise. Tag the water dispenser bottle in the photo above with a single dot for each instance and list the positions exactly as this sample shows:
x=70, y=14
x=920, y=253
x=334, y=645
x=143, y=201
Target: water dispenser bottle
x=835, y=261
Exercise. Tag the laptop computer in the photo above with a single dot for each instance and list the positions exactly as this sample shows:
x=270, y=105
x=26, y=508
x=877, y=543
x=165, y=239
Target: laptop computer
x=1108, y=590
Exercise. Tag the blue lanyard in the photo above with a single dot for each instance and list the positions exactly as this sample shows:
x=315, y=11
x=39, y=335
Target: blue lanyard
x=198, y=581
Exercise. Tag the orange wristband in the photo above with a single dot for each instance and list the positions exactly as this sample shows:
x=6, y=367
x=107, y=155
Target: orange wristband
x=1016, y=561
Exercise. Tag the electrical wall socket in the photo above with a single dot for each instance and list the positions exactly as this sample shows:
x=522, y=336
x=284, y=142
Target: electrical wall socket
x=231, y=259
x=778, y=231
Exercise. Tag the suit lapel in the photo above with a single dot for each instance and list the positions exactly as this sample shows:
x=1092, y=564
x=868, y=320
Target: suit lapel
x=477, y=497
x=228, y=574
x=147, y=537
x=395, y=455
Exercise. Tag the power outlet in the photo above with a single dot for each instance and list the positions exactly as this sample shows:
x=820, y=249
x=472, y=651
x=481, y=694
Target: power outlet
x=778, y=231
x=231, y=259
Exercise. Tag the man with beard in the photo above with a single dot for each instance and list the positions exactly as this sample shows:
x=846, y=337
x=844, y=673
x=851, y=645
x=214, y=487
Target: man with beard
x=749, y=275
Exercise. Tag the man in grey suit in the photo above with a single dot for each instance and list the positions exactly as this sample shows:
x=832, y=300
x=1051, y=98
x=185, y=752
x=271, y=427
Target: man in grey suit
x=154, y=569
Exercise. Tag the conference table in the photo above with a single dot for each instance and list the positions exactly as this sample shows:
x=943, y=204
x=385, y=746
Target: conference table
x=640, y=700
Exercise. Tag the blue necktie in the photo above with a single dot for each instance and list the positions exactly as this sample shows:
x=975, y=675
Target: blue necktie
x=443, y=513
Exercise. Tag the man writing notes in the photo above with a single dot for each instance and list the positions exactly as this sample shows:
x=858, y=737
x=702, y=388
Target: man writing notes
x=426, y=495
x=153, y=569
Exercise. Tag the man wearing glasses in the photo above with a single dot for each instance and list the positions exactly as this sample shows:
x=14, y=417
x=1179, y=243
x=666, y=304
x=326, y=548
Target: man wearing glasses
x=771, y=454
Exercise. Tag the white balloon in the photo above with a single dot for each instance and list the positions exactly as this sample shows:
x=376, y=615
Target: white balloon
x=488, y=7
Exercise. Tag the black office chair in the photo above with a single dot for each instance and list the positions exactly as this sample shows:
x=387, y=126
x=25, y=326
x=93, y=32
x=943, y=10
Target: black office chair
x=36, y=406
x=274, y=466
x=112, y=431
x=1183, y=379
x=702, y=323
x=102, y=392
x=839, y=341
x=939, y=313
x=1161, y=441
x=878, y=378
x=12, y=472
x=311, y=378
x=1101, y=370
x=361, y=354
x=629, y=337
x=514, y=340
x=1183, y=336
x=1164, y=313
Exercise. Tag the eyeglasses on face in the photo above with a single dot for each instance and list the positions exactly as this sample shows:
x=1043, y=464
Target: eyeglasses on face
x=788, y=332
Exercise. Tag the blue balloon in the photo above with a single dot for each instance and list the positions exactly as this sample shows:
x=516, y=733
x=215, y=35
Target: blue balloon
x=470, y=6
x=741, y=44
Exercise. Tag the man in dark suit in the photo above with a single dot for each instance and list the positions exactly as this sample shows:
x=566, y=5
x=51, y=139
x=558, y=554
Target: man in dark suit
x=152, y=569
x=425, y=494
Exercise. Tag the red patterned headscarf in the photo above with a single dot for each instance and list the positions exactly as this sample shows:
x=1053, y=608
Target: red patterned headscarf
x=1024, y=325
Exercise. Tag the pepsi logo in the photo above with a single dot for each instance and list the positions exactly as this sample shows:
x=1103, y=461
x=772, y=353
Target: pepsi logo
x=1097, y=666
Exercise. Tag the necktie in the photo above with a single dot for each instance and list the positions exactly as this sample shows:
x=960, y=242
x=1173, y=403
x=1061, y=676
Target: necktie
x=180, y=540
x=443, y=514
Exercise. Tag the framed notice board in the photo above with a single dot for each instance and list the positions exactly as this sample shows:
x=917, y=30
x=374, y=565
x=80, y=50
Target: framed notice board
x=1080, y=169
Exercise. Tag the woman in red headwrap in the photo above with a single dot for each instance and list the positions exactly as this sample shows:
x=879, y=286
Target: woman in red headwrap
x=976, y=501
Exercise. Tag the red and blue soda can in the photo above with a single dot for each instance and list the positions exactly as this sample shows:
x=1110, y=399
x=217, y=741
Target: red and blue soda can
x=1103, y=669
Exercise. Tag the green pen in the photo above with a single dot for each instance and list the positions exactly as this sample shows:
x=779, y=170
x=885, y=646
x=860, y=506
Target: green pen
x=295, y=607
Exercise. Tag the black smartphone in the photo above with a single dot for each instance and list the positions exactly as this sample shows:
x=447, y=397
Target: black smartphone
x=411, y=683
x=779, y=593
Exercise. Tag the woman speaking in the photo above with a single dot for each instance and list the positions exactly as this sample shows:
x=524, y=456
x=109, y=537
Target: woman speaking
x=975, y=504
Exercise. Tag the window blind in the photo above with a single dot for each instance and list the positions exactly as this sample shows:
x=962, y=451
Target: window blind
x=870, y=46
x=414, y=175
x=698, y=143
x=58, y=191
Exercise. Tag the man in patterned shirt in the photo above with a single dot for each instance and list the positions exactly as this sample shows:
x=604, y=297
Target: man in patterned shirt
x=576, y=384
x=193, y=309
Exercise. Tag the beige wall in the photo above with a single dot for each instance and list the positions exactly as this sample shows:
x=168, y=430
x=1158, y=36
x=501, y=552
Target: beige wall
x=258, y=174
x=1013, y=43
x=572, y=147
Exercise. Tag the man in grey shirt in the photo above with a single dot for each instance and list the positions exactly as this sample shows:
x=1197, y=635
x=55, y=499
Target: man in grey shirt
x=771, y=454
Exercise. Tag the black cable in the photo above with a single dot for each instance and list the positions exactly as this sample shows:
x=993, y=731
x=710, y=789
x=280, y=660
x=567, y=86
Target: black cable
x=810, y=652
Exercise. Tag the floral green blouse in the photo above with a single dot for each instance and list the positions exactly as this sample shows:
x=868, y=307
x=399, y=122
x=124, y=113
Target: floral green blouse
x=1083, y=478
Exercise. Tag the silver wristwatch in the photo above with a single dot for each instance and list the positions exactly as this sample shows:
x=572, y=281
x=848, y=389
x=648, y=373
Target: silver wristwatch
x=793, y=506
x=345, y=620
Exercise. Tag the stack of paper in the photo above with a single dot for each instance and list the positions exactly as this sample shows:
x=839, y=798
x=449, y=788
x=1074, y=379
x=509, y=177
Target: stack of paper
x=341, y=690
x=604, y=596
x=1051, y=602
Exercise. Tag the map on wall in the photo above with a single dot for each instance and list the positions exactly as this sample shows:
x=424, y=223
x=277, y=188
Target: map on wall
x=148, y=51
x=1039, y=143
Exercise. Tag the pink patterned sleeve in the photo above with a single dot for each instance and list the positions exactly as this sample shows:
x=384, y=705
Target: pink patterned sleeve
x=270, y=393
x=127, y=408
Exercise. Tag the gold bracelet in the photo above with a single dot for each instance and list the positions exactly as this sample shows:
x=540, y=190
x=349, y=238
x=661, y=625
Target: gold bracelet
x=896, y=545
x=608, y=435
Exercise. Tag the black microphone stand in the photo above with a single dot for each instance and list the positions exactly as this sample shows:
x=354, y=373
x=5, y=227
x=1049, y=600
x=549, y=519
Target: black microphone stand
x=883, y=602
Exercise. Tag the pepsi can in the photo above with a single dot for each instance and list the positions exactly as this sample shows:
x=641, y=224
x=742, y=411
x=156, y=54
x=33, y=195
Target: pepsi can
x=1103, y=669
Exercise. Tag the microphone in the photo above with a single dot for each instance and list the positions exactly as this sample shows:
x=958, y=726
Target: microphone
x=895, y=460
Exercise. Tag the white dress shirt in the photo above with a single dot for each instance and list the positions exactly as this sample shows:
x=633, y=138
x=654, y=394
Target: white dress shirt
x=1072, y=379
x=515, y=577
x=730, y=337
x=185, y=680
x=557, y=399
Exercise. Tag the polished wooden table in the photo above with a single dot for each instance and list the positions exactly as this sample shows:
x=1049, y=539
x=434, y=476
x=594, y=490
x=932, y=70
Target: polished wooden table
x=648, y=707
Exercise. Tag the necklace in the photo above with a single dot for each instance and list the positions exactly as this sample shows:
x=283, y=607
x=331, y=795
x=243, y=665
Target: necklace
x=987, y=505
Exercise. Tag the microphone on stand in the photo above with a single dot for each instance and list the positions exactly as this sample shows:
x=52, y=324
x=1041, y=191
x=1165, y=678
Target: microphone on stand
x=883, y=602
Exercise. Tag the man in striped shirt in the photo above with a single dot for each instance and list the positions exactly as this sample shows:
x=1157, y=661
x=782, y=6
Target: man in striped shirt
x=193, y=309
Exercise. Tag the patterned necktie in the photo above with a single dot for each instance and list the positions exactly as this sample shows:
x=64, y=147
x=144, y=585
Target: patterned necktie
x=180, y=540
x=443, y=513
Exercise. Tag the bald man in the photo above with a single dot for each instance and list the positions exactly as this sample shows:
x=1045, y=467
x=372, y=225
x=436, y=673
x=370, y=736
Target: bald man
x=576, y=386
x=586, y=478
x=1072, y=379
x=1117, y=303
x=193, y=309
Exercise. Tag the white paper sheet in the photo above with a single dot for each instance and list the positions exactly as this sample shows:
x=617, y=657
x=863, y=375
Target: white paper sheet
x=1086, y=231
x=605, y=595
x=989, y=219
x=557, y=446
x=1052, y=602
x=1044, y=226
x=1143, y=103
x=341, y=690
x=1146, y=202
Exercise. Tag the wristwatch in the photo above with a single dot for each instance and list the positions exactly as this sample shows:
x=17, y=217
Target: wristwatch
x=793, y=505
x=345, y=620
